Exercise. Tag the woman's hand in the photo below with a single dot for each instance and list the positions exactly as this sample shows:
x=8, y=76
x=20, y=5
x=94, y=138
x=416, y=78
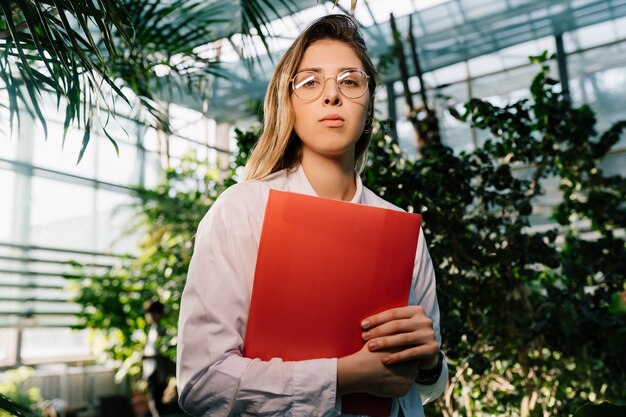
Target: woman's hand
x=404, y=334
x=364, y=372
x=398, y=343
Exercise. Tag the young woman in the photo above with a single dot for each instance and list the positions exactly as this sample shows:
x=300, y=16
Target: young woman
x=318, y=113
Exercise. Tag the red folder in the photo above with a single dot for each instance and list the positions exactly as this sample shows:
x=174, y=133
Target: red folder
x=323, y=266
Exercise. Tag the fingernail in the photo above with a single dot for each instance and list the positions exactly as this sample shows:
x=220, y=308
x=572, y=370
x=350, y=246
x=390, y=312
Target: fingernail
x=373, y=346
x=366, y=335
x=386, y=360
x=365, y=323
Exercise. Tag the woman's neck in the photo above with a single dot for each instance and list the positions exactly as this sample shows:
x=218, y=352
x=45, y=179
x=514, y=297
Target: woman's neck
x=330, y=178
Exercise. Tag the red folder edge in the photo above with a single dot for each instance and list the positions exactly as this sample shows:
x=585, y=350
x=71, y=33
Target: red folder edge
x=295, y=318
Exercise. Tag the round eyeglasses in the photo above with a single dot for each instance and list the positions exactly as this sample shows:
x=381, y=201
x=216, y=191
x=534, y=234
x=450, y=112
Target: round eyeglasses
x=309, y=85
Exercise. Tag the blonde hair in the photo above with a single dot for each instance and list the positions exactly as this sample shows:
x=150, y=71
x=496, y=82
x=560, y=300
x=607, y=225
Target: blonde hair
x=279, y=146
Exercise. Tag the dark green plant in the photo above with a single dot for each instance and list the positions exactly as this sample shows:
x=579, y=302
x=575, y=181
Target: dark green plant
x=528, y=318
x=567, y=343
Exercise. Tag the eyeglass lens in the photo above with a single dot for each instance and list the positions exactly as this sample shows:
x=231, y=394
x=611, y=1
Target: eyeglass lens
x=309, y=85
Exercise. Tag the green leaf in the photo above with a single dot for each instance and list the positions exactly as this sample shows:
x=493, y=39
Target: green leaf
x=85, y=141
x=16, y=409
x=618, y=303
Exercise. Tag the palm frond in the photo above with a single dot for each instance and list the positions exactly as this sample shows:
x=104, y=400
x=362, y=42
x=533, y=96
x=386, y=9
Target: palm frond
x=51, y=46
x=167, y=34
x=90, y=52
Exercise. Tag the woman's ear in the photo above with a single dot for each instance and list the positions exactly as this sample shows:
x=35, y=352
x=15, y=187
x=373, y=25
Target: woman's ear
x=369, y=120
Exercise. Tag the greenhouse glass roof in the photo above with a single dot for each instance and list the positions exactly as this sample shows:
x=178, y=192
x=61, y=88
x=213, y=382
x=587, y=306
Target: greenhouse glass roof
x=446, y=32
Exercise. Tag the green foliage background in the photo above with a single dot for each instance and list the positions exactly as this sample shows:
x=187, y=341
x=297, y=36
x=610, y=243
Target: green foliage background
x=533, y=323
x=15, y=401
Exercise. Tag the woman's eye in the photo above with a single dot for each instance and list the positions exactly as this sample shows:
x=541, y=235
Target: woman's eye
x=349, y=83
x=308, y=82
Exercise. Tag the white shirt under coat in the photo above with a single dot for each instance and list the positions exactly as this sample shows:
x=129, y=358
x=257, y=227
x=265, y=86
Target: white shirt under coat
x=213, y=378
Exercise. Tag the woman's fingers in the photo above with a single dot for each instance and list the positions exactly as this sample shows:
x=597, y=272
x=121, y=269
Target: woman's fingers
x=406, y=333
x=391, y=315
x=402, y=340
x=411, y=354
x=389, y=328
x=411, y=324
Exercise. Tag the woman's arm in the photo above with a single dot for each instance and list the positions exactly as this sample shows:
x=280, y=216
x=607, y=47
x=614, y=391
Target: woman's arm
x=214, y=379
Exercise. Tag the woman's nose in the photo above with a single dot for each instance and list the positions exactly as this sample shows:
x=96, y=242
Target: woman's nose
x=331, y=91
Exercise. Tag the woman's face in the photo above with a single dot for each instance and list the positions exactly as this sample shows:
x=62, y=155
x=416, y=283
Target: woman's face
x=330, y=125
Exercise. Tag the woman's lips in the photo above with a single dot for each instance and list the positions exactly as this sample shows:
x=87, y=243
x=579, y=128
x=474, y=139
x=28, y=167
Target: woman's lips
x=332, y=120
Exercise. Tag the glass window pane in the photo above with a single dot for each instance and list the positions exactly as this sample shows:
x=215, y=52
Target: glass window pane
x=188, y=123
x=7, y=189
x=614, y=164
x=510, y=57
x=40, y=344
x=381, y=9
x=8, y=136
x=593, y=35
x=52, y=153
x=115, y=216
x=450, y=74
x=454, y=133
x=505, y=86
x=150, y=140
x=153, y=171
x=123, y=169
x=8, y=145
x=8, y=344
x=406, y=137
x=62, y=214
x=180, y=147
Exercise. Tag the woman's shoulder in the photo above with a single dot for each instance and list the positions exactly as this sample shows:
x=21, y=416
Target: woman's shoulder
x=241, y=192
x=246, y=197
x=253, y=190
x=241, y=197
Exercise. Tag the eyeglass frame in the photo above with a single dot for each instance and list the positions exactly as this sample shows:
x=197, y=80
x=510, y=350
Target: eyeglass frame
x=336, y=77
